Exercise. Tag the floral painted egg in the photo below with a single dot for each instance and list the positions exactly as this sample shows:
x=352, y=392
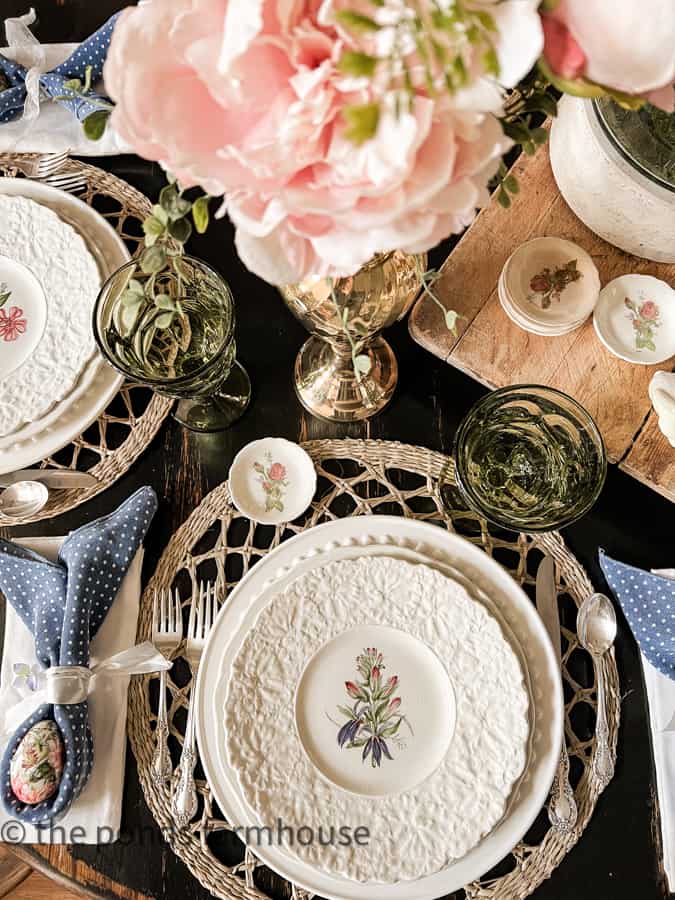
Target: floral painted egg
x=37, y=765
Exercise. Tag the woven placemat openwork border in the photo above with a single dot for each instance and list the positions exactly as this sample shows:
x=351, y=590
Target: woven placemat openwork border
x=109, y=447
x=362, y=478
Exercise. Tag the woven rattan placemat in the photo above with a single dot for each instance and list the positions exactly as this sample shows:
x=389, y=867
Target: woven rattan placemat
x=361, y=478
x=125, y=429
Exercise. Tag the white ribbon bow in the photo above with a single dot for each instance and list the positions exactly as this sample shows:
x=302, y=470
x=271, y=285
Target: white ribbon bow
x=27, y=50
x=68, y=685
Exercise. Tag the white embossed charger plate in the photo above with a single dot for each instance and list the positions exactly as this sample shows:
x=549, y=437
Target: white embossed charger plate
x=414, y=541
x=378, y=678
x=96, y=383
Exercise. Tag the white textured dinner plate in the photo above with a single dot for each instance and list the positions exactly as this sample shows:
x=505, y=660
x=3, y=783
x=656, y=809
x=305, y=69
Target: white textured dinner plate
x=98, y=383
x=488, y=582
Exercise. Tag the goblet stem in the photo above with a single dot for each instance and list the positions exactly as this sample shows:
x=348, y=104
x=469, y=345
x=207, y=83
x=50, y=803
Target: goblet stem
x=219, y=410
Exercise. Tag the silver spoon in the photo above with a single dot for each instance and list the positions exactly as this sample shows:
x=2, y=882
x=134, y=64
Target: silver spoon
x=25, y=498
x=596, y=627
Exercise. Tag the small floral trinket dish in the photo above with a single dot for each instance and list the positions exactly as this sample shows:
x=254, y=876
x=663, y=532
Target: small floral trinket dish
x=549, y=286
x=272, y=481
x=23, y=314
x=635, y=319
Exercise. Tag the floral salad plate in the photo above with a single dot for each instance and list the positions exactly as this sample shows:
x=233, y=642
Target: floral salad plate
x=372, y=672
x=54, y=253
x=635, y=319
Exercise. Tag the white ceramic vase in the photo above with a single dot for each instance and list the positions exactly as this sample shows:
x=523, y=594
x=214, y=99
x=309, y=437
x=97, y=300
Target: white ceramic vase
x=605, y=190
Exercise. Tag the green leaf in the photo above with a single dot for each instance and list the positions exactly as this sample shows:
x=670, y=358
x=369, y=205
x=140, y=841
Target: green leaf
x=351, y=19
x=135, y=287
x=160, y=213
x=451, y=320
x=200, y=214
x=539, y=135
x=503, y=198
x=362, y=122
x=153, y=229
x=73, y=84
x=359, y=64
x=391, y=730
x=95, y=124
x=154, y=259
x=491, y=61
x=362, y=364
x=511, y=184
x=130, y=313
x=164, y=321
x=163, y=301
x=579, y=87
x=180, y=230
x=175, y=206
x=346, y=711
x=88, y=74
x=4, y=298
x=542, y=102
x=486, y=20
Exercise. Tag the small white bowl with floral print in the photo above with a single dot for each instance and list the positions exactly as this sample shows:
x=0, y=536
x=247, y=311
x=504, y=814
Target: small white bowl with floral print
x=272, y=481
x=635, y=319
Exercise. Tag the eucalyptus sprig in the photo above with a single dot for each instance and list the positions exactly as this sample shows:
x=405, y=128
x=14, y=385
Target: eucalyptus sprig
x=427, y=280
x=153, y=301
x=360, y=361
x=96, y=122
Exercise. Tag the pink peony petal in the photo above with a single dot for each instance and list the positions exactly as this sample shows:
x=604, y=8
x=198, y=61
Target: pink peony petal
x=628, y=44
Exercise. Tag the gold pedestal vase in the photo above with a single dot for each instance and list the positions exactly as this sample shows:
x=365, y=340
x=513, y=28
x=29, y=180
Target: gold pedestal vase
x=346, y=371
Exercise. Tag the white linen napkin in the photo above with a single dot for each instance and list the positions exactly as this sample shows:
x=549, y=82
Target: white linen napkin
x=661, y=698
x=96, y=815
x=56, y=128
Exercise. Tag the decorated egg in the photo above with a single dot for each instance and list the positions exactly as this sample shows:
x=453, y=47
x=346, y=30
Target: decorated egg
x=37, y=765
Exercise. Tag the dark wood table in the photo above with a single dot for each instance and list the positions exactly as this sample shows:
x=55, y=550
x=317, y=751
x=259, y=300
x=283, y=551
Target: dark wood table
x=619, y=854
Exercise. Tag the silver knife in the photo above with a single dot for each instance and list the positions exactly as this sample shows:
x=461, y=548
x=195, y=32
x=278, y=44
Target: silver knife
x=52, y=478
x=562, y=810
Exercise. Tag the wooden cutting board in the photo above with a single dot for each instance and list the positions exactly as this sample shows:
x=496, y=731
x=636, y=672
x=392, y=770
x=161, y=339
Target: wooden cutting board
x=493, y=350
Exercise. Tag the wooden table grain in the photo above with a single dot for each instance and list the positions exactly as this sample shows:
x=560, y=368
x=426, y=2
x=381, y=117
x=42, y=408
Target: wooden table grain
x=618, y=856
x=493, y=349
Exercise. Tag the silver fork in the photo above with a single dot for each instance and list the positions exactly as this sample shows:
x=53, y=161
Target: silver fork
x=40, y=168
x=167, y=634
x=72, y=182
x=202, y=616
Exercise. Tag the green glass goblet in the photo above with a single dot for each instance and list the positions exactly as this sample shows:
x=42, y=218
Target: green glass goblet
x=174, y=332
x=529, y=458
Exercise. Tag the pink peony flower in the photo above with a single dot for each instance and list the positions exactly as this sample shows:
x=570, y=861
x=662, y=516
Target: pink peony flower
x=245, y=98
x=561, y=51
x=649, y=310
x=277, y=472
x=622, y=45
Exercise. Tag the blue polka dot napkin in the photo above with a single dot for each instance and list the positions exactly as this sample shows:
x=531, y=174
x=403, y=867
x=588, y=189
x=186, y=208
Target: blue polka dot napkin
x=63, y=604
x=91, y=52
x=648, y=602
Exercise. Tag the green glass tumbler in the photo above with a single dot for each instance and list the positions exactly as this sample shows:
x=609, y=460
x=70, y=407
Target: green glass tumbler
x=529, y=458
x=174, y=332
